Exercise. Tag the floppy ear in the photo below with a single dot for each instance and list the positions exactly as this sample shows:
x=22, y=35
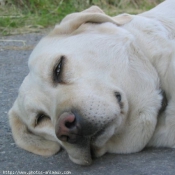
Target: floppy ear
x=27, y=140
x=93, y=14
x=123, y=18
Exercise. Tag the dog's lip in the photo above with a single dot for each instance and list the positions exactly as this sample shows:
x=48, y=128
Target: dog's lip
x=87, y=152
x=80, y=152
x=84, y=158
x=84, y=161
x=86, y=147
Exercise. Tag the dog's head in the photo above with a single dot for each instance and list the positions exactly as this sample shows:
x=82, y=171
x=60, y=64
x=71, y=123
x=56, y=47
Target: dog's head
x=82, y=78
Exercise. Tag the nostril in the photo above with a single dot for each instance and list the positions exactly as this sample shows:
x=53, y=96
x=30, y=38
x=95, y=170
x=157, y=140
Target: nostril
x=67, y=128
x=118, y=96
x=67, y=121
x=70, y=125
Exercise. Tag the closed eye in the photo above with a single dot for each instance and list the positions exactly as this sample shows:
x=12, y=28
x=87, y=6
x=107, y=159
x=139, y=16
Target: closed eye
x=41, y=118
x=58, y=69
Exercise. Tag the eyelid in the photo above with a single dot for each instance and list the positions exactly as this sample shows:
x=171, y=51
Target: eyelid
x=58, y=78
x=41, y=116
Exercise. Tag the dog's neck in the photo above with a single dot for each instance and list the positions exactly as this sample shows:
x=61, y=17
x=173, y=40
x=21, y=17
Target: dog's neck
x=152, y=37
x=155, y=42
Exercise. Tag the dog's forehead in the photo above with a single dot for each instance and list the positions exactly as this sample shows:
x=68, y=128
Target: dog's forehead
x=89, y=37
x=84, y=51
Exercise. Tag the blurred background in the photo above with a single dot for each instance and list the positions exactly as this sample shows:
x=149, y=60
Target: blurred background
x=25, y=16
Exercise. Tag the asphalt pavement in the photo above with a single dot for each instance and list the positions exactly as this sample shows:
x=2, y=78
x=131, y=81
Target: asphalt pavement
x=14, y=53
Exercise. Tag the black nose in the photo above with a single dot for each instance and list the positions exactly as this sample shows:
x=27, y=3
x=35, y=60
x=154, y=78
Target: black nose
x=71, y=127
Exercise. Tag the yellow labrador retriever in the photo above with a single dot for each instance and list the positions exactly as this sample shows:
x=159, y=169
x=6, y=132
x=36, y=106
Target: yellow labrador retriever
x=100, y=84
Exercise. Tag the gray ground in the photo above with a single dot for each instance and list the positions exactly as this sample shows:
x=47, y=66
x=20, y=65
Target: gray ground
x=14, y=52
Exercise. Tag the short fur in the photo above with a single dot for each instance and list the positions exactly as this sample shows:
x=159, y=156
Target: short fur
x=129, y=54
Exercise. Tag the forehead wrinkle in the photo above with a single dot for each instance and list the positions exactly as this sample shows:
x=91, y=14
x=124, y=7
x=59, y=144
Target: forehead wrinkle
x=42, y=69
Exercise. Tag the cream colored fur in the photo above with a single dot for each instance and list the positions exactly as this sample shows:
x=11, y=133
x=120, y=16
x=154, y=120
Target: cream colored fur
x=130, y=54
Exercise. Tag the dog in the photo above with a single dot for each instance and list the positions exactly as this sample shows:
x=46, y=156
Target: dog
x=99, y=84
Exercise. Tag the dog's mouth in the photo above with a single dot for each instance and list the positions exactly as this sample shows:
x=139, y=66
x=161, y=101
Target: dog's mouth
x=83, y=154
x=82, y=139
x=86, y=156
x=80, y=153
x=84, y=151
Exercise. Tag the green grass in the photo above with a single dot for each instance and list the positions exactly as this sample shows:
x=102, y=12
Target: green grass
x=22, y=16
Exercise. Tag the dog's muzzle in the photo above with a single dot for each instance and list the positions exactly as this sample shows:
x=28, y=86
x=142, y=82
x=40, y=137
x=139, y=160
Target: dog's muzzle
x=76, y=134
x=72, y=128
